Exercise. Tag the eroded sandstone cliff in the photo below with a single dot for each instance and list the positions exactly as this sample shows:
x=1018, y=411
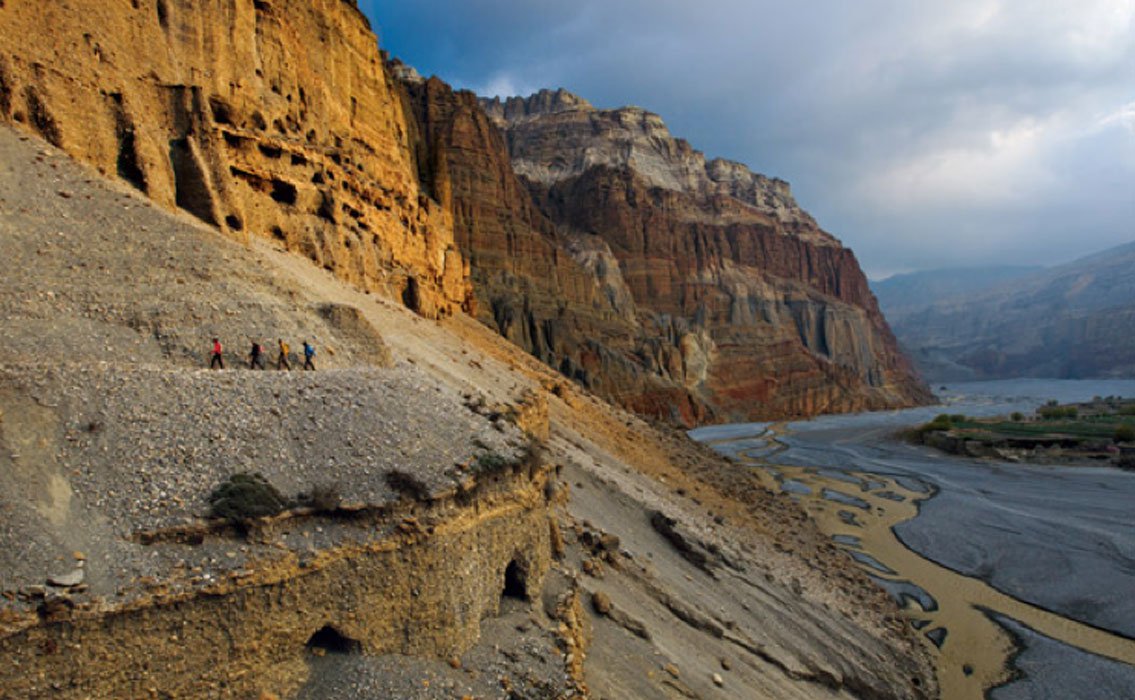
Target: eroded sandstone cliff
x=279, y=119
x=271, y=118
x=684, y=289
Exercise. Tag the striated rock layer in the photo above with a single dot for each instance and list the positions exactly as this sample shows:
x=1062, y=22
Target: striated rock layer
x=685, y=289
x=270, y=118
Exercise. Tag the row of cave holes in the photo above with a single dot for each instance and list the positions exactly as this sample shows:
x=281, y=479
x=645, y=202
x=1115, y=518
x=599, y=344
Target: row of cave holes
x=332, y=641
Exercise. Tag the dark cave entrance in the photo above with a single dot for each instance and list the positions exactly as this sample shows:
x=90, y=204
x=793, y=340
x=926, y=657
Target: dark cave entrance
x=515, y=582
x=333, y=641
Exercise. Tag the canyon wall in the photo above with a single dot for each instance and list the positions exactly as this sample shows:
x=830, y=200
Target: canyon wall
x=271, y=118
x=689, y=290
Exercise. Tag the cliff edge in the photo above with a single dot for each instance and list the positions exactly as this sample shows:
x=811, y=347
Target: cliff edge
x=689, y=289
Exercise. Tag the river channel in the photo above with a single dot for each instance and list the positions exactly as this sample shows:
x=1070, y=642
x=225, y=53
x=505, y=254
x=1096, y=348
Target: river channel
x=1019, y=577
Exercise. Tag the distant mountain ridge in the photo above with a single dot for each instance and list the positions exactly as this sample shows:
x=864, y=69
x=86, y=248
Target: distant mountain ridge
x=901, y=295
x=1071, y=321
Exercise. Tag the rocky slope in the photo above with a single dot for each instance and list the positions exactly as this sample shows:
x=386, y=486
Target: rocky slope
x=114, y=579
x=268, y=118
x=1071, y=321
x=280, y=120
x=624, y=562
x=740, y=305
x=453, y=551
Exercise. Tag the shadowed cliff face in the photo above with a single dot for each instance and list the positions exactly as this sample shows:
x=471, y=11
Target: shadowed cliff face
x=272, y=119
x=684, y=289
x=559, y=295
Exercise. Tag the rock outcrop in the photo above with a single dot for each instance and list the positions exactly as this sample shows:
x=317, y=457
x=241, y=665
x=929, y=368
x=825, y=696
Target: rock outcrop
x=681, y=288
x=272, y=118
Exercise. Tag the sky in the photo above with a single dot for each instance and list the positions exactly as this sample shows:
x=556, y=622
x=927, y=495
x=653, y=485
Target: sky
x=922, y=133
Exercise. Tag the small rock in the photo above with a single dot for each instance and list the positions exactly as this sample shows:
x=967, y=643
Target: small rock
x=601, y=602
x=726, y=664
x=672, y=670
x=73, y=578
x=717, y=680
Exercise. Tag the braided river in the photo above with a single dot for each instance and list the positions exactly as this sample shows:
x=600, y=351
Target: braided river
x=1020, y=577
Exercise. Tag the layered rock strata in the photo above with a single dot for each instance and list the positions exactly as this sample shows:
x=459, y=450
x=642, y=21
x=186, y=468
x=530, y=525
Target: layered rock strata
x=252, y=628
x=113, y=582
x=271, y=118
x=681, y=288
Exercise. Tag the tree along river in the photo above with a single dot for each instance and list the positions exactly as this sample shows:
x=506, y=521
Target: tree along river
x=1020, y=577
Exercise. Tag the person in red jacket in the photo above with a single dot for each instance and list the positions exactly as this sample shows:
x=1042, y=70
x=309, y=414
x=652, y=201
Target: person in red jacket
x=218, y=360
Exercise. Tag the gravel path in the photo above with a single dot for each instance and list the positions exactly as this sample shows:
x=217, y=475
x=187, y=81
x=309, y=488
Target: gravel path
x=109, y=425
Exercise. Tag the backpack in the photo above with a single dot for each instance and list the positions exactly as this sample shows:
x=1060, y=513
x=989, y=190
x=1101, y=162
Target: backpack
x=309, y=350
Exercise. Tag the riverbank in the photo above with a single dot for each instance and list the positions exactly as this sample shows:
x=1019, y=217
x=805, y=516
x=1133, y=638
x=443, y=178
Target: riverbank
x=971, y=548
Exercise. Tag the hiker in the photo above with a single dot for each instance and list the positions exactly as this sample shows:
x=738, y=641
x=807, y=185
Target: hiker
x=217, y=360
x=256, y=356
x=308, y=353
x=282, y=360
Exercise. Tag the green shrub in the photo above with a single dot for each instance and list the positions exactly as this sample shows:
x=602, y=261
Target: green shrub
x=1125, y=433
x=491, y=462
x=941, y=422
x=245, y=496
x=1016, y=416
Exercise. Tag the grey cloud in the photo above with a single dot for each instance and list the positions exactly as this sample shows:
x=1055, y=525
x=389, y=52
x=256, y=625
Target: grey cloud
x=852, y=102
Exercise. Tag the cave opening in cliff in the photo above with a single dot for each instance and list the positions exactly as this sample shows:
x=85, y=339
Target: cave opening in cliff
x=191, y=189
x=411, y=296
x=515, y=582
x=333, y=641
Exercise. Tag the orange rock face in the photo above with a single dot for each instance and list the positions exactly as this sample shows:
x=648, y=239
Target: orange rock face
x=272, y=118
x=685, y=289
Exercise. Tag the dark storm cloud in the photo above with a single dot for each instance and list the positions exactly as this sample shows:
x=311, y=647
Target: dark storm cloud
x=923, y=134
